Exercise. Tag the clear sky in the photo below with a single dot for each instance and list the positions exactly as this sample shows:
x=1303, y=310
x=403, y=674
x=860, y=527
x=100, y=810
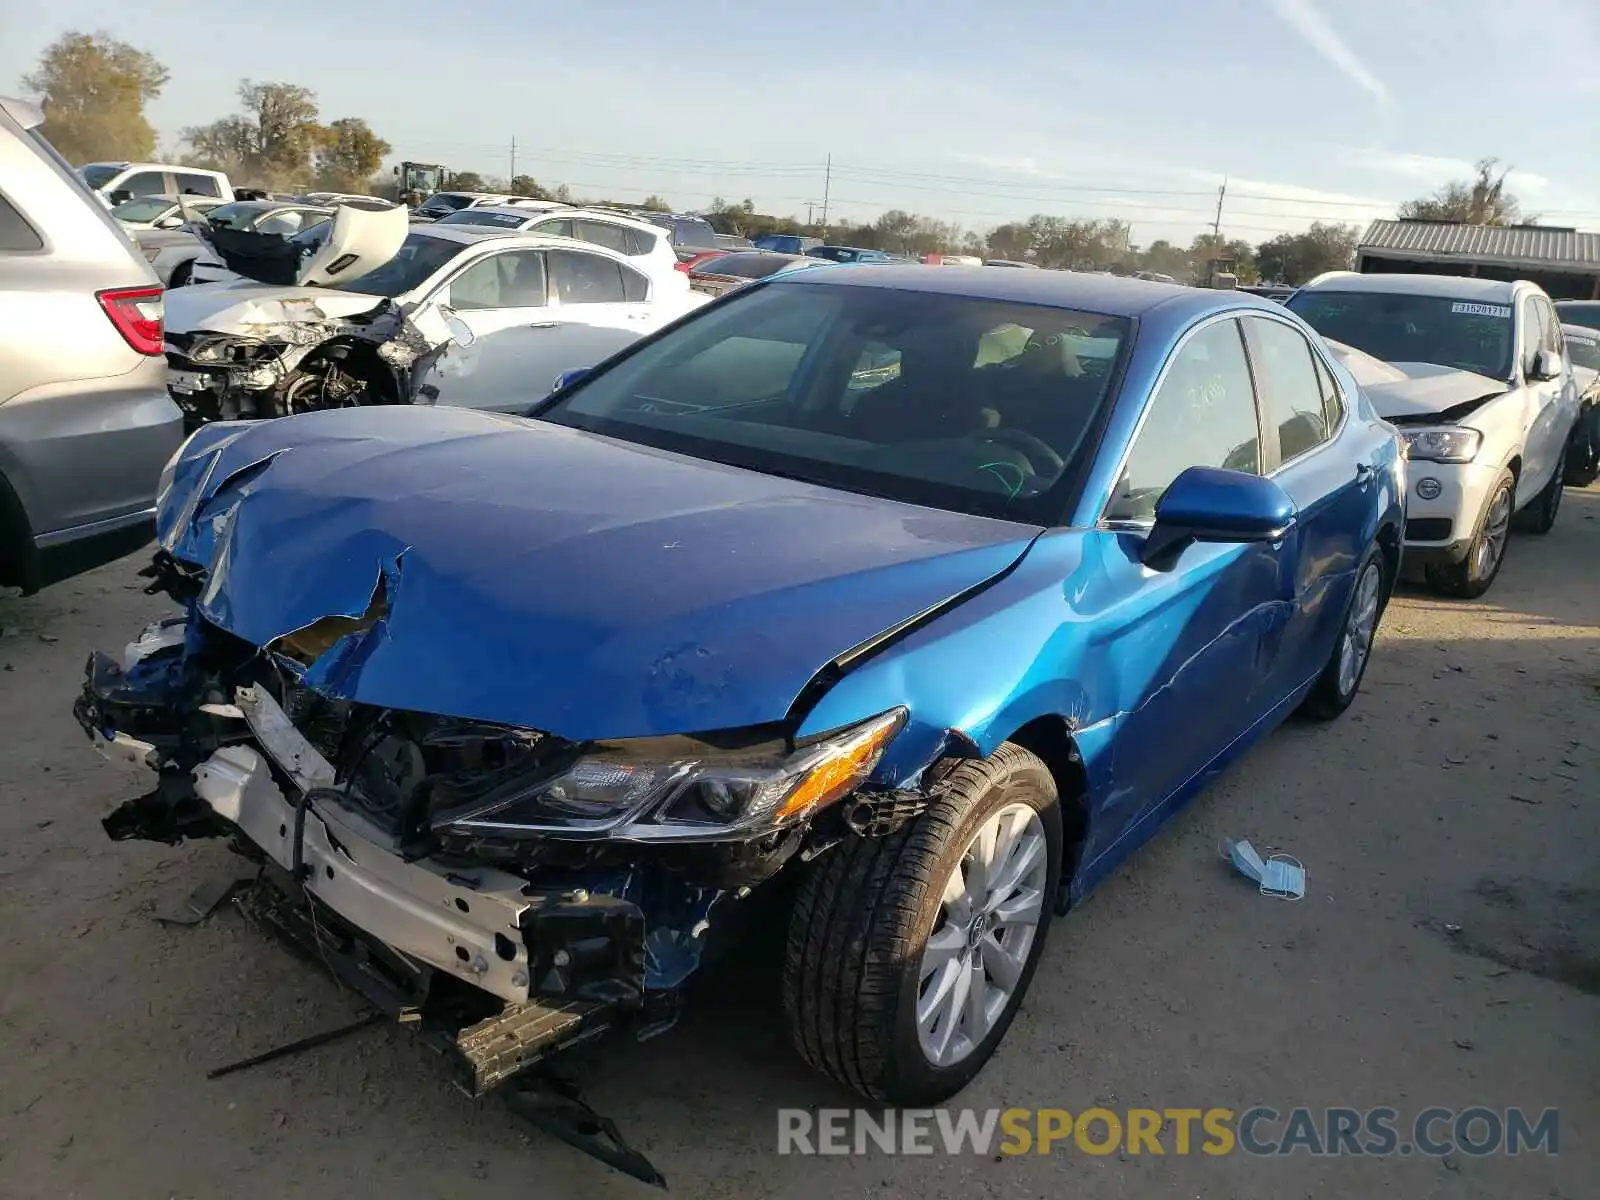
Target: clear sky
x=1313, y=109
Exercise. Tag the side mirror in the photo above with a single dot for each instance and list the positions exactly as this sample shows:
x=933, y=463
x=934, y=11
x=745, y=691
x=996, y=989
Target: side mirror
x=1547, y=365
x=1209, y=504
x=460, y=332
x=170, y=223
x=120, y=196
x=567, y=378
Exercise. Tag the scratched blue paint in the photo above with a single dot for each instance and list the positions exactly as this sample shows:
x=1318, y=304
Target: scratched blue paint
x=542, y=576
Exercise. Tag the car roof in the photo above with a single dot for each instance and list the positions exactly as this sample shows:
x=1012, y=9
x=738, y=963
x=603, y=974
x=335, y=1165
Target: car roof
x=1112, y=295
x=472, y=234
x=1586, y=331
x=1454, y=287
x=466, y=233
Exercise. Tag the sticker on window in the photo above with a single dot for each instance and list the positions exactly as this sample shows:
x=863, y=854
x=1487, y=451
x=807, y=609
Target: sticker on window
x=1481, y=310
x=1582, y=341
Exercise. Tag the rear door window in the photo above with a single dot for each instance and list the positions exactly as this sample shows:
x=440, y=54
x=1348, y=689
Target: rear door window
x=585, y=278
x=612, y=237
x=198, y=185
x=144, y=183
x=640, y=242
x=560, y=228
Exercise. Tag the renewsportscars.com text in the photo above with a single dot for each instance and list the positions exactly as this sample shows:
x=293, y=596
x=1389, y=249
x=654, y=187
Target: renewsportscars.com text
x=1260, y=1131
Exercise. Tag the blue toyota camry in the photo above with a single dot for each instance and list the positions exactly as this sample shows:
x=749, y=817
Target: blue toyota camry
x=929, y=593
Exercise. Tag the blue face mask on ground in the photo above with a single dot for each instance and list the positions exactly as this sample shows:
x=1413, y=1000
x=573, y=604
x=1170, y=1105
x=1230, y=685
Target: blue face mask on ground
x=1277, y=875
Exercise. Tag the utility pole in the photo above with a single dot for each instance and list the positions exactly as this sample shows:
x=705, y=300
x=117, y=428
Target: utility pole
x=827, y=183
x=513, y=156
x=1216, y=225
x=809, y=205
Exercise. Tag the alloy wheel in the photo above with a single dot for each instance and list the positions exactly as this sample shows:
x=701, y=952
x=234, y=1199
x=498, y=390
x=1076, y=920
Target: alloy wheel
x=1359, y=629
x=989, y=913
x=1492, y=540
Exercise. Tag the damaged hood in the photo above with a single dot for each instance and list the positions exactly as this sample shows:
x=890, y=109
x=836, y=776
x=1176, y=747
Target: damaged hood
x=528, y=574
x=1423, y=389
x=242, y=306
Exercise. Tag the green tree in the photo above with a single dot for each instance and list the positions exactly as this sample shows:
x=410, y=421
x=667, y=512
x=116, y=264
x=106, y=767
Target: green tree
x=1012, y=241
x=1163, y=257
x=1296, y=257
x=527, y=185
x=654, y=203
x=1208, y=246
x=464, y=181
x=95, y=89
x=1481, y=200
x=348, y=155
x=270, y=142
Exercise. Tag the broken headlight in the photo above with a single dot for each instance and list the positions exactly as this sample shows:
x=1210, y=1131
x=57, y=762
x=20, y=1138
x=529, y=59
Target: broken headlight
x=635, y=791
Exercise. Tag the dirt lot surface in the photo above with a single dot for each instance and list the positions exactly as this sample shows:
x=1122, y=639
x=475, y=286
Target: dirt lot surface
x=1447, y=953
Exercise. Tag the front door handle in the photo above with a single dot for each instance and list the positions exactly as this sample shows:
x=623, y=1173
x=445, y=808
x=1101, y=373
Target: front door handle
x=1365, y=472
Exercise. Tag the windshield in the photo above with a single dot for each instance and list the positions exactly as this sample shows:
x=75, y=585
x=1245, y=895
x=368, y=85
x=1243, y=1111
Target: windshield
x=1465, y=335
x=419, y=257
x=236, y=216
x=484, y=216
x=1584, y=348
x=145, y=208
x=447, y=200
x=947, y=401
x=97, y=175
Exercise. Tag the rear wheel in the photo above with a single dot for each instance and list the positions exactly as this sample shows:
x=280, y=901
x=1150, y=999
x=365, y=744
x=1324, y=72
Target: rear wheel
x=182, y=275
x=909, y=955
x=1583, y=453
x=1472, y=576
x=1336, y=687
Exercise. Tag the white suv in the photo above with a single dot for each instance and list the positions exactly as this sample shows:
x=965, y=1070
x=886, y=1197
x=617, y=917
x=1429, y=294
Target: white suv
x=647, y=245
x=1475, y=375
x=118, y=182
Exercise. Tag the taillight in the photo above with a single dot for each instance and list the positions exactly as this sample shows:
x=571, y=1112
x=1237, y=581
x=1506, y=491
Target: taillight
x=681, y=266
x=136, y=312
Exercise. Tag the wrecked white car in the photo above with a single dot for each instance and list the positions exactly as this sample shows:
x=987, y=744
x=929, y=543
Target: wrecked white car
x=352, y=312
x=1474, y=374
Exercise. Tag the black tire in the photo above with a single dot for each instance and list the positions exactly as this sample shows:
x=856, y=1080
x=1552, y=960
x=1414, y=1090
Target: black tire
x=1332, y=693
x=1540, y=517
x=1472, y=577
x=182, y=275
x=863, y=916
x=1583, y=452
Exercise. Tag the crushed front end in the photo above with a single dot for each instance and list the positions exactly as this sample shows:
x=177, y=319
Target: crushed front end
x=508, y=892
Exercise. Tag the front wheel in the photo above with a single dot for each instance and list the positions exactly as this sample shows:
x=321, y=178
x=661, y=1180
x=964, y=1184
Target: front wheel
x=1336, y=687
x=182, y=275
x=1472, y=576
x=908, y=955
x=1540, y=516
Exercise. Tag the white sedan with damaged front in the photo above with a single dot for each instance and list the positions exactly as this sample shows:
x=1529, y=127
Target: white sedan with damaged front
x=356, y=311
x=1474, y=374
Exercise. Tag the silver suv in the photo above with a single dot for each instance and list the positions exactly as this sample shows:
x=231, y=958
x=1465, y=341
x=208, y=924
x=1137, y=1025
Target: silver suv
x=86, y=425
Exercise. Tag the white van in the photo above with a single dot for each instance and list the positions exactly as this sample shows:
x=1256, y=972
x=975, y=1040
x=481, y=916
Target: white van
x=117, y=182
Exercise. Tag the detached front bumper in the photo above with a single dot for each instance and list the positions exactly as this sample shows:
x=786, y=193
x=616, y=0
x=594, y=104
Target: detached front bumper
x=496, y=972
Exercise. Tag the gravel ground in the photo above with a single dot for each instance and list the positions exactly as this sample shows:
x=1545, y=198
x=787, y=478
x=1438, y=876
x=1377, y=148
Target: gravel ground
x=1447, y=953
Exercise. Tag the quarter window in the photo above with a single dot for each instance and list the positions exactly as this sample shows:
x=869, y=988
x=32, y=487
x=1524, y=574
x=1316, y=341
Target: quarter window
x=640, y=242
x=15, y=232
x=635, y=287
x=1287, y=375
x=585, y=278
x=1202, y=415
